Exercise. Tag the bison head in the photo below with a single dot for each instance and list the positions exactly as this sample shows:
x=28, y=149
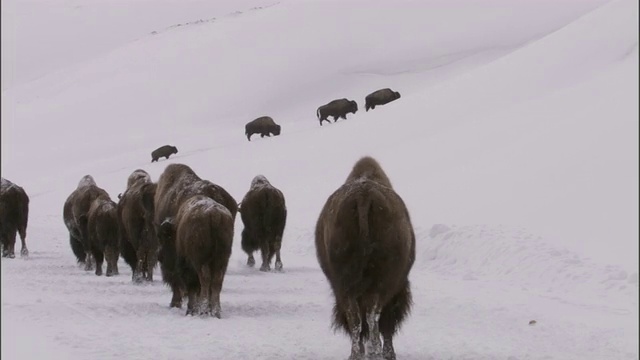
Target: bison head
x=354, y=106
x=397, y=94
x=276, y=130
x=174, y=149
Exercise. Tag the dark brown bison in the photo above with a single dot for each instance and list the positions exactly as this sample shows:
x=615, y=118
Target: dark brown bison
x=337, y=108
x=139, y=242
x=203, y=231
x=264, y=216
x=265, y=126
x=14, y=215
x=177, y=184
x=380, y=97
x=365, y=245
x=163, y=151
x=75, y=215
x=104, y=234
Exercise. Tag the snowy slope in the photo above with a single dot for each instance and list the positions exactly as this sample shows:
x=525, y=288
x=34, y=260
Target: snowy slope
x=514, y=146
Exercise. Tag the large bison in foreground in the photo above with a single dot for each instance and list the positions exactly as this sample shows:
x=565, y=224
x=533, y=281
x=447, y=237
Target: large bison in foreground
x=179, y=189
x=264, y=216
x=14, y=215
x=337, y=108
x=265, y=126
x=75, y=215
x=138, y=243
x=365, y=245
x=380, y=97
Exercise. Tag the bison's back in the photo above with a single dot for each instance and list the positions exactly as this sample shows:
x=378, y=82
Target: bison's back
x=364, y=239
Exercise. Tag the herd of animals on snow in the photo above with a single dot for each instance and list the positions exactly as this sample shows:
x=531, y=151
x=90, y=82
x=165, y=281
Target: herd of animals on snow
x=364, y=239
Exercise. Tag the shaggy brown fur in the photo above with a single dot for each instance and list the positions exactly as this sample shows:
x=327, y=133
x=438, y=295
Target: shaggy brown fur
x=337, y=108
x=203, y=237
x=14, y=215
x=264, y=215
x=163, y=151
x=104, y=234
x=365, y=245
x=75, y=215
x=265, y=126
x=176, y=185
x=380, y=97
x=139, y=242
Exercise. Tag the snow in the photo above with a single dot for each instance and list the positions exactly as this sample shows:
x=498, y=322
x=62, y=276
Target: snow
x=514, y=146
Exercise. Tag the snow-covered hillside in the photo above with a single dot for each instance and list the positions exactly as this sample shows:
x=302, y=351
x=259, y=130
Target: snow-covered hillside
x=514, y=145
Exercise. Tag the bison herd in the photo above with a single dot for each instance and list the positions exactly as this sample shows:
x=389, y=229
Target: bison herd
x=339, y=108
x=364, y=239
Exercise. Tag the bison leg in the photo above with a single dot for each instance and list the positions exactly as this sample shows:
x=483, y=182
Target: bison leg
x=111, y=257
x=264, y=251
x=99, y=256
x=388, y=353
x=90, y=261
x=8, y=242
x=276, y=247
x=251, y=261
x=204, y=276
x=355, y=328
x=214, y=297
x=23, y=238
x=152, y=259
x=193, y=300
x=176, y=298
x=373, y=317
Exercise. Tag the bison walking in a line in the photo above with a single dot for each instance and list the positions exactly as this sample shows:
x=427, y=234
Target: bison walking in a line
x=163, y=151
x=75, y=215
x=177, y=184
x=265, y=126
x=380, y=97
x=104, y=234
x=14, y=215
x=264, y=216
x=365, y=245
x=138, y=242
x=203, y=231
x=337, y=108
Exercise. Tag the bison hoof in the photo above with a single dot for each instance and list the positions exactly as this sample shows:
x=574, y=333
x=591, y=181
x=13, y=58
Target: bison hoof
x=251, y=261
x=176, y=304
x=109, y=273
x=265, y=268
x=98, y=272
x=11, y=256
x=279, y=265
x=24, y=252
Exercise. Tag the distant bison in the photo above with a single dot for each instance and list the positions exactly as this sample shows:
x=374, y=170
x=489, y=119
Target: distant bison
x=139, y=242
x=14, y=215
x=265, y=126
x=365, y=245
x=380, y=97
x=337, y=108
x=264, y=216
x=177, y=184
x=203, y=231
x=104, y=234
x=163, y=151
x=75, y=215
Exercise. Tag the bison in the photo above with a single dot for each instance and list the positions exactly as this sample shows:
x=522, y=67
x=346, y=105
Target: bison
x=265, y=126
x=139, y=242
x=203, y=231
x=337, y=108
x=264, y=216
x=177, y=184
x=14, y=215
x=163, y=151
x=380, y=97
x=75, y=215
x=104, y=234
x=365, y=245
